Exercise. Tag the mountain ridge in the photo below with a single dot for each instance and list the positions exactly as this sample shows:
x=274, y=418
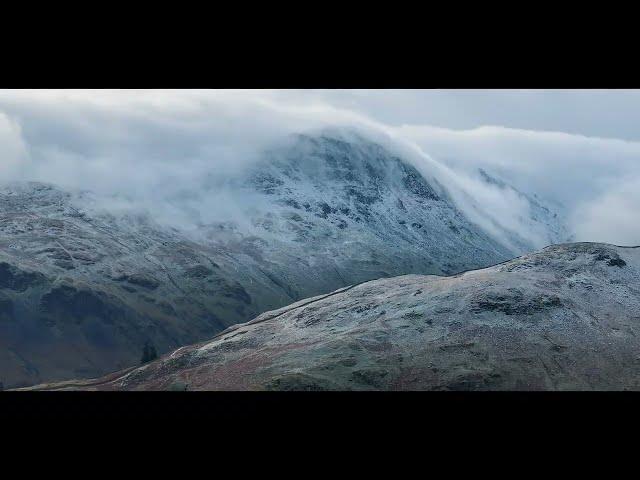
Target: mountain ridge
x=535, y=322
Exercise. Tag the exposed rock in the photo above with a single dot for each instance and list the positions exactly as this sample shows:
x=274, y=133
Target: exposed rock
x=198, y=271
x=143, y=281
x=616, y=262
x=69, y=303
x=515, y=302
x=13, y=278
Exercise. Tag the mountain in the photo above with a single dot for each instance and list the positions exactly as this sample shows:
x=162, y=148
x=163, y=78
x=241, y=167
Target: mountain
x=83, y=289
x=537, y=322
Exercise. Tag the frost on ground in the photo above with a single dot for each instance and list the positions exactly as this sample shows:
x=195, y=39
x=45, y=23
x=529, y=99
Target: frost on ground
x=564, y=318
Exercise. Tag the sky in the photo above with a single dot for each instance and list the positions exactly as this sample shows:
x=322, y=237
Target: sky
x=580, y=148
x=594, y=113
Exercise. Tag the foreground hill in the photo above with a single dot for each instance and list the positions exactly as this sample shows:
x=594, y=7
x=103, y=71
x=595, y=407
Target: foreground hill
x=566, y=317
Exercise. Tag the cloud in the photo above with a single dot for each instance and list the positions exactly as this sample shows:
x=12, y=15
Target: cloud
x=13, y=151
x=169, y=152
x=166, y=152
x=576, y=171
x=145, y=135
x=612, y=217
x=594, y=113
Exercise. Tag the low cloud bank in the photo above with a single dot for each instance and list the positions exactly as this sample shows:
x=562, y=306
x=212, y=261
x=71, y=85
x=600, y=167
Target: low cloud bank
x=594, y=179
x=161, y=151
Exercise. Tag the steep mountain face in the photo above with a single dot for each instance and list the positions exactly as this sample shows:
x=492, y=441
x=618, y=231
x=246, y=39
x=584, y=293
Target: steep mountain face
x=82, y=291
x=329, y=212
x=537, y=322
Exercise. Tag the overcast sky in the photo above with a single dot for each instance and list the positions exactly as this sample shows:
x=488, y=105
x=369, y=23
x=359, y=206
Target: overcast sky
x=600, y=113
x=577, y=147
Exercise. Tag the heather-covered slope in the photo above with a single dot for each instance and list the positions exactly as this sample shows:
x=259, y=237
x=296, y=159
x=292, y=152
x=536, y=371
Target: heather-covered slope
x=564, y=318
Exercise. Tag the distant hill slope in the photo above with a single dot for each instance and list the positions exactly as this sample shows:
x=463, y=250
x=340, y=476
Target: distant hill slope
x=564, y=318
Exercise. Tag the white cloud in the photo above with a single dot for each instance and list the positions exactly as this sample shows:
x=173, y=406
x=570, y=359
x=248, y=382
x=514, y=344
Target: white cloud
x=577, y=171
x=13, y=151
x=613, y=217
x=153, y=145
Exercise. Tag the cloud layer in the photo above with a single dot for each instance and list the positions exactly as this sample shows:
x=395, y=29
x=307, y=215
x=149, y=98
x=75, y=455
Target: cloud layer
x=154, y=146
x=593, y=178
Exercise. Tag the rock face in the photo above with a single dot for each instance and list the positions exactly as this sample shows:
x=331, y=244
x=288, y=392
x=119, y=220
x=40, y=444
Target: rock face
x=564, y=318
x=83, y=290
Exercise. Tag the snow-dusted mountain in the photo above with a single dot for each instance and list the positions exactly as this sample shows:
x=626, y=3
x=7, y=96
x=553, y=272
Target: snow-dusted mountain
x=82, y=289
x=537, y=322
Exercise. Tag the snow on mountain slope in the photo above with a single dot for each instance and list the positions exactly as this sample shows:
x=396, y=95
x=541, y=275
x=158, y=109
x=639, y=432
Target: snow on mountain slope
x=82, y=289
x=537, y=322
x=353, y=210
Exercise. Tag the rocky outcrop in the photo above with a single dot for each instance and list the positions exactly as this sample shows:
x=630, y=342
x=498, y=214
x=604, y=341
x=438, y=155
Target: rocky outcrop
x=13, y=278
